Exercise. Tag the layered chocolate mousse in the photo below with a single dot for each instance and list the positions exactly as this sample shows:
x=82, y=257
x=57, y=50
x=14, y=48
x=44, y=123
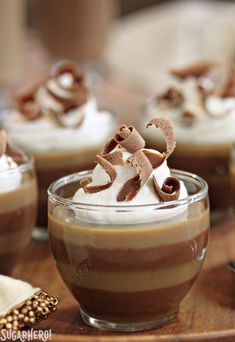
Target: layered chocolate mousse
x=60, y=123
x=200, y=99
x=18, y=202
x=129, y=241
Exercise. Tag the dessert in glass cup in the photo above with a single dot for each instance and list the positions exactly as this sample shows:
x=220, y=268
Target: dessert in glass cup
x=129, y=237
x=200, y=99
x=18, y=202
x=59, y=122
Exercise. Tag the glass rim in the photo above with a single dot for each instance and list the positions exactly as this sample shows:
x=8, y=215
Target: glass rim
x=25, y=166
x=54, y=186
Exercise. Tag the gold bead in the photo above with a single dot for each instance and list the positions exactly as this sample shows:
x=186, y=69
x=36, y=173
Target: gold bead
x=3, y=321
x=9, y=319
x=28, y=302
x=32, y=320
x=31, y=314
x=21, y=317
x=42, y=304
x=8, y=326
x=24, y=311
x=16, y=312
x=26, y=319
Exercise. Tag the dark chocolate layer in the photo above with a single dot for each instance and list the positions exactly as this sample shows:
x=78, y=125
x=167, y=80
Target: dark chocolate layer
x=129, y=259
x=132, y=306
x=18, y=220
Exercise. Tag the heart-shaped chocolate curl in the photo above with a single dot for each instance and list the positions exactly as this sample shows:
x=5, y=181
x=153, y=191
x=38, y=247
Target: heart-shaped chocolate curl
x=170, y=189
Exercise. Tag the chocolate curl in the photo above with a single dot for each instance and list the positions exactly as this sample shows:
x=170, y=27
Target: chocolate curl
x=77, y=92
x=129, y=139
x=3, y=142
x=194, y=70
x=170, y=189
x=144, y=169
x=58, y=119
x=114, y=158
x=166, y=126
x=28, y=106
x=108, y=147
x=109, y=169
x=156, y=159
x=172, y=97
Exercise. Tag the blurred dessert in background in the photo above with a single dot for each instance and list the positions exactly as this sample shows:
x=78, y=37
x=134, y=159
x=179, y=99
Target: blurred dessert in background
x=60, y=123
x=18, y=203
x=200, y=99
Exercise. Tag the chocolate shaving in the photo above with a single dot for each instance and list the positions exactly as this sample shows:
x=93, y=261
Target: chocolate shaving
x=156, y=159
x=129, y=139
x=170, y=189
x=188, y=118
x=108, y=147
x=109, y=169
x=3, y=142
x=143, y=168
x=115, y=158
x=166, y=126
x=28, y=106
x=171, y=97
x=194, y=70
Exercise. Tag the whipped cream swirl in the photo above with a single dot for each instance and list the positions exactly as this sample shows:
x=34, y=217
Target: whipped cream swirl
x=125, y=171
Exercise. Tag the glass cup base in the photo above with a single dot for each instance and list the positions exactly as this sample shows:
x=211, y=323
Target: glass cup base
x=40, y=234
x=126, y=327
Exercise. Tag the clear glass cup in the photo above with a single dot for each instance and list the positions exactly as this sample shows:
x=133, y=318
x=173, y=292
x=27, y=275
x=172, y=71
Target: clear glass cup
x=18, y=209
x=128, y=277
x=54, y=163
x=210, y=161
x=232, y=174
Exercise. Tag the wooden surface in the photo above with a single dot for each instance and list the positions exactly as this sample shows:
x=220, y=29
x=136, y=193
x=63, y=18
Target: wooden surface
x=206, y=314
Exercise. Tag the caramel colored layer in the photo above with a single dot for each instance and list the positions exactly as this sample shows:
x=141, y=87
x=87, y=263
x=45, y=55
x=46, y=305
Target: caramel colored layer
x=132, y=281
x=128, y=236
x=88, y=258
x=131, y=307
x=22, y=196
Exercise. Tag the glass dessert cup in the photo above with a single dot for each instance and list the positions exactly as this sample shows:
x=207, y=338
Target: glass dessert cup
x=210, y=161
x=232, y=174
x=18, y=208
x=129, y=277
x=52, y=164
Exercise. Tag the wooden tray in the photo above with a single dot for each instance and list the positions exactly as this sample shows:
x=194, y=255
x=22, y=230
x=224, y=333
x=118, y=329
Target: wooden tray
x=207, y=313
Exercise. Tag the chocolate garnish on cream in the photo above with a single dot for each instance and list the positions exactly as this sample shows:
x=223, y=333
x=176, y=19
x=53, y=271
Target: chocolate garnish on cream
x=58, y=114
x=206, y=111
x=8, y=155
x=132, y=183
x=56, y=98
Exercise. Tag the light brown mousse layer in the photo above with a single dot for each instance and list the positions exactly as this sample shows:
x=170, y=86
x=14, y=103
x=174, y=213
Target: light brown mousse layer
x=17, y=218
x=110, y=269
x=208, y=161
x=53, y=165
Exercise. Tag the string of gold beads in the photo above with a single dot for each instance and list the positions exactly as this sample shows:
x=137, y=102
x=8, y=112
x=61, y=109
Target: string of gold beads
x=29, y=312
